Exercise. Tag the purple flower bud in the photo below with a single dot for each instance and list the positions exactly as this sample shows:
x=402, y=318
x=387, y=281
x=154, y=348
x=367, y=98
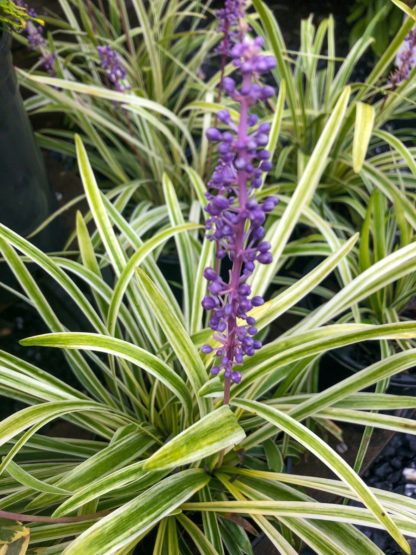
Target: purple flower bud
x=257, y=301
x=209, y=303
x=224, y=116
x=210, y=274
x=267, y=92
x=264, y=128
x=206, y=349
x=264, y=154
x=228, y=85
x=244, y=289
x=270, y=203
x=266, y=166
x=213, y=134
x=262, y=139
x=265, y=258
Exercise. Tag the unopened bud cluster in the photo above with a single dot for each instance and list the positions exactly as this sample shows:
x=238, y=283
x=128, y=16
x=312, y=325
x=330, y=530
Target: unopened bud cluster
x=36, y=39
x=114, y=69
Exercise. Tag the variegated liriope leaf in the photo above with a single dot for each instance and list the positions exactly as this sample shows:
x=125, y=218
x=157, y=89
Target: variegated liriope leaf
x=132, y=519
x=122, y=349
x=14, y=538
x=216, y=431
x=318, y=447
x=280, y=232
x=364, y=122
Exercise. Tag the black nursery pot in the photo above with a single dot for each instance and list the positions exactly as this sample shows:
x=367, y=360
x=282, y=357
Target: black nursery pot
x=25, y=196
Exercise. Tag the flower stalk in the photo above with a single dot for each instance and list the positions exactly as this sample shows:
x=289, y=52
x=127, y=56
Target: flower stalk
x=236, y=218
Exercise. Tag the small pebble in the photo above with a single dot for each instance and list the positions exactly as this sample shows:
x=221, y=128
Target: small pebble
x=410, y=474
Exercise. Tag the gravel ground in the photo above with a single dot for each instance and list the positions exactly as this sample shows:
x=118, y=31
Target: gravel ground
x=387, y=472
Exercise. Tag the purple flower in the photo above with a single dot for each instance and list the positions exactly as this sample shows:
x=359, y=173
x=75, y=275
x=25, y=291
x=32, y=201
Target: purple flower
x=112, y=64
x=236, y=218
x=228, y=20
x=36, y=39
x=405, y=59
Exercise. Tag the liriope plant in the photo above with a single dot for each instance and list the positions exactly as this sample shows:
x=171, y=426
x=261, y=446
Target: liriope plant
x=165, y=465
x=157, y=427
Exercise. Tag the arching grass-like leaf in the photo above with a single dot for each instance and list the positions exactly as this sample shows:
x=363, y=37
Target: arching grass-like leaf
x=216, y=431
x=317, y=446
x=130, y=520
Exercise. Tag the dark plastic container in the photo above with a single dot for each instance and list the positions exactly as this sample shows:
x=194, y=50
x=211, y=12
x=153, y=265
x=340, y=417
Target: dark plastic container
x=25, y=196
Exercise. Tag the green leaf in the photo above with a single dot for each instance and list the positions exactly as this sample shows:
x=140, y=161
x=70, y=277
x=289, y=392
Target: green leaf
x=120, y=348
x=176, y=335
x=217, y=431
x=277, y=306
x=331, y=459
x=186, y=253
x=280, y=232
x=133, y=263
x=131, y=475
x=404, y=7
x=299, y=346
x=364, y=122
x=101, y=218
x=387, y=270
x=30, y=416
x=132, y=519
x=197, y=537
x=31, y=482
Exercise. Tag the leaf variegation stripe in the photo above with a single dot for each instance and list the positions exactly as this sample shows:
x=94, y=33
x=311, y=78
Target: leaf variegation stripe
x=330, y=458
x=177, y=336
x=302, y=345
x=123, y=349
x=393, y=501
x=360, y=380
x=30, y=416
x=216, y=431
x=364, y=123
x=280, y=232
x=132, y=519
x=133, y=263
x=380, y=274
x=274, y=308
x=309, y=510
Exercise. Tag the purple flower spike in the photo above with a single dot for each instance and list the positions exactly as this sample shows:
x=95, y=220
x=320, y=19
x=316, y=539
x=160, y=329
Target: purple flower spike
x=236, y=218
x=114, y=68
x=36, y=39
x=405, y=59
